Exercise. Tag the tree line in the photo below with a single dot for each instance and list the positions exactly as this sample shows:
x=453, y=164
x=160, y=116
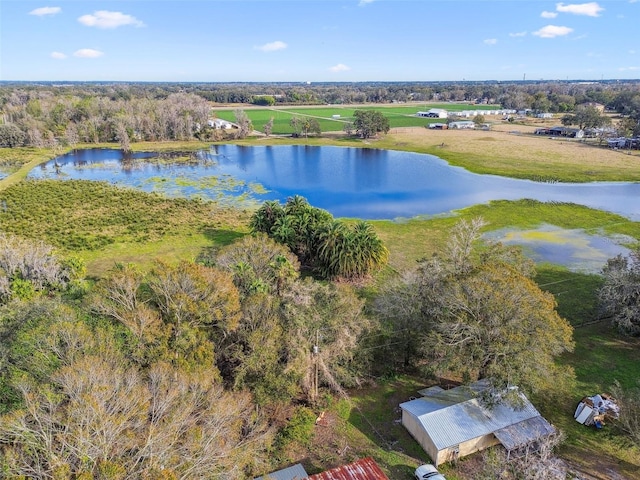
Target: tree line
x=46, y=114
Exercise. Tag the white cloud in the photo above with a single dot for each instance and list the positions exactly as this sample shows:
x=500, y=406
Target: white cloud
x=632, y=52
x=106, y=19
x=518, y=34
x=364, y=2
x=626, y=69
x=87, y=53
x=272, y=46
x=58, y=55
x=546, y=14
x=591, y=9
x=490, y=41
x=551, y=31
x=341, y=67
x=42, y=11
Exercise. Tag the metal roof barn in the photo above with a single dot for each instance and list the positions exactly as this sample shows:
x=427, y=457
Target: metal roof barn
x=363, y=469
x=450, y=424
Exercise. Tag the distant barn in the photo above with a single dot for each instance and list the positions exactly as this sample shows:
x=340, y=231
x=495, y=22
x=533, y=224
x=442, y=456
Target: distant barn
x=433, y=113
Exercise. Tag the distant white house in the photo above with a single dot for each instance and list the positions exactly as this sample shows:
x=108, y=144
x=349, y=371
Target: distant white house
x=219, y=123
x=433, y=113
x=450, y=424
x=544, y=115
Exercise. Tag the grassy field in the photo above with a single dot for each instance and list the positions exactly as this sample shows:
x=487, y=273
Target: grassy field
x=399, y=116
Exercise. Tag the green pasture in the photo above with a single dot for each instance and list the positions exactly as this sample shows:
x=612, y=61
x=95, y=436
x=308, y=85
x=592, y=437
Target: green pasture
x=399, y=116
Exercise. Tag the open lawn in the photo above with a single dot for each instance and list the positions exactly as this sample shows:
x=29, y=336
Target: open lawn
x=399, y=116
x=518, y=153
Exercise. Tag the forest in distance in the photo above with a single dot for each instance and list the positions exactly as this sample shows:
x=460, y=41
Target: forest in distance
x=214, y=344
x=39, y=114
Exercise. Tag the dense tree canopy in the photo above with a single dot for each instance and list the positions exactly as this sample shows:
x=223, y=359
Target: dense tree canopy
x=39, y=115
x=368, y=123
x=586, y=116
x=86, y=411
x=164, y=373
x=482, y=315
x=29, y=268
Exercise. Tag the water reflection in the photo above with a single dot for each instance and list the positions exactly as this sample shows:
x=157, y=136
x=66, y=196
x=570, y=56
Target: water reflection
x=349, y=182
x=576, y=249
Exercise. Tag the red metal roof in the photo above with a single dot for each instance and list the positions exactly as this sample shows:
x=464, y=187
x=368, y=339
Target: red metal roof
x=363, y=469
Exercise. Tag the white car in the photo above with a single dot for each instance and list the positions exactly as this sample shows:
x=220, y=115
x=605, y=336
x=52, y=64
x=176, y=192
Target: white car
x=424, y=472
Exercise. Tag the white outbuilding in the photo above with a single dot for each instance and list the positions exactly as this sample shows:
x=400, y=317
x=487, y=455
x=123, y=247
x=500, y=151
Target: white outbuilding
x=450, y=424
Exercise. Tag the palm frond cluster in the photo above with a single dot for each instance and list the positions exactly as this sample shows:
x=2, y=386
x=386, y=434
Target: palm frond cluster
x=330, y=247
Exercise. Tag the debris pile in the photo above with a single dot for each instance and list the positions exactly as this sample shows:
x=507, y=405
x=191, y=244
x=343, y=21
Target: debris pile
x=597, y=410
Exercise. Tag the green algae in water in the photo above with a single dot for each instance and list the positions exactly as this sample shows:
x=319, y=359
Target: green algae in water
x=575, y=249
x=223, y=189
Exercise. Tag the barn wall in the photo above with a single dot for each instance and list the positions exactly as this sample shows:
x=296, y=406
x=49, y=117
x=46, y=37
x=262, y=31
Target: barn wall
x=417, y=431
x=466, y=448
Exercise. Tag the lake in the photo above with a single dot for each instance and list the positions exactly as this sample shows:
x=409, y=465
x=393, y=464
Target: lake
x=348, y=182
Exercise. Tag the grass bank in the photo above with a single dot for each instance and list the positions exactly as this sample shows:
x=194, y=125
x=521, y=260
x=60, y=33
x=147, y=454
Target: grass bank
x=104, y=224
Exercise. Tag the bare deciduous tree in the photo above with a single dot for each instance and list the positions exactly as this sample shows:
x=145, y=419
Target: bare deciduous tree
x=620, y=294
x=31, y=261
x=100, y=414
x=245, y=127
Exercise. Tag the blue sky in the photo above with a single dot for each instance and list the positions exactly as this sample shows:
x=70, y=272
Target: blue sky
x=308, y=40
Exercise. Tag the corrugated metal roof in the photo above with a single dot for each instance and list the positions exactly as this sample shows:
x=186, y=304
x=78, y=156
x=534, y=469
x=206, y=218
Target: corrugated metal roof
x=424, y=405
x=451, y=417
x=295, y=472
x=525, y=432
x=464, y=421
x=363, y=469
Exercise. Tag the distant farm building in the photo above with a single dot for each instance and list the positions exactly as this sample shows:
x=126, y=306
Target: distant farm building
x=438, y=126
x=597, y=106
x=624, y=142
x=560, y=132
x=433, y=113
x=450, y=424
x=462, y=124
x=544, y=115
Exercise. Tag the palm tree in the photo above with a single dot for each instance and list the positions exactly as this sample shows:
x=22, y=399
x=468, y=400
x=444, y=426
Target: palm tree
x=370, y=252
x=283, y=231
x=266, y=216
x=330, y=247
x=296, y=205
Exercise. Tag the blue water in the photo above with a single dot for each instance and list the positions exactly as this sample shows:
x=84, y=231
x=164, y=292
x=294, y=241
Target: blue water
x=348, y=182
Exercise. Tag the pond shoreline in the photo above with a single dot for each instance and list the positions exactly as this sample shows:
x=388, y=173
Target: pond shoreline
x=371, y=184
